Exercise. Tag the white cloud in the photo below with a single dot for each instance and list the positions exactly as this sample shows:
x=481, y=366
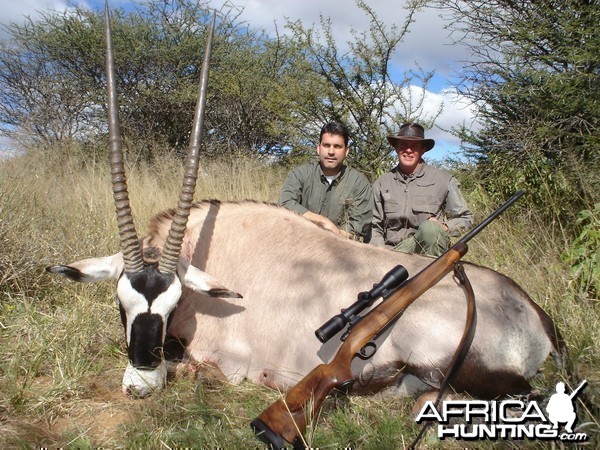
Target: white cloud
x=427, y=42
x=456, y=110
x=17, y=11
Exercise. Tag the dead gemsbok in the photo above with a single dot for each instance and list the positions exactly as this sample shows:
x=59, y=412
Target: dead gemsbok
x=294, y=276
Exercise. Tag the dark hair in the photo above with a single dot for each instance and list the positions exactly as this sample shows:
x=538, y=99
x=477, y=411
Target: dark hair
x=335, y=128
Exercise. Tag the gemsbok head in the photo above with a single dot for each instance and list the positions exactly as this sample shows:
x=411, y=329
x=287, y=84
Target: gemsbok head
x=149, y=281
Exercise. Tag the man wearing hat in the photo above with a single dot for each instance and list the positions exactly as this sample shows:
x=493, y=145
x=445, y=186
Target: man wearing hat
x=417, y=206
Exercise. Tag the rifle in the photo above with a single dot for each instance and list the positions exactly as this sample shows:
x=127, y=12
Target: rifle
x=286, y=419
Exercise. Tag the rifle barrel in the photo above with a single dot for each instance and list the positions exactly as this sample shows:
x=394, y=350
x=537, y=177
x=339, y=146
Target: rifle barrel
x=577, y=389
x=467, y=237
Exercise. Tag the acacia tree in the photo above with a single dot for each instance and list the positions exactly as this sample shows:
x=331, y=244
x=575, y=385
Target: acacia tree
x=64, y=52
x=357, y=88
x=248, y=110
x=534, y=71
x=52, y=79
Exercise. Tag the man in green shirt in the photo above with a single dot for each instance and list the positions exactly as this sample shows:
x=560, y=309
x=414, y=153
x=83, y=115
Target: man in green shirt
x=329, y=193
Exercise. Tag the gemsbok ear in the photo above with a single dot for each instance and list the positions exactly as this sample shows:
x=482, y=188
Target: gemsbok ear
x=92, y=269
x=201, y=282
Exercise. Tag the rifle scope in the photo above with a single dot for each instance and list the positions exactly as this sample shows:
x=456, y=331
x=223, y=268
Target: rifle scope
x=388, y=284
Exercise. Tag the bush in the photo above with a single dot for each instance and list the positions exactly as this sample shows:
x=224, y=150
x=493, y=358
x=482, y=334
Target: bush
x=584, y=254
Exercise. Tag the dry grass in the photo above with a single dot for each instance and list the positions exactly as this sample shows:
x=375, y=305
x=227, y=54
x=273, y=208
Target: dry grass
x=63, y=353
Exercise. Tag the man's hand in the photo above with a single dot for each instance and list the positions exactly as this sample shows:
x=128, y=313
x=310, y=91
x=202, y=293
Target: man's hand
x=325, y=223
x=443, y=225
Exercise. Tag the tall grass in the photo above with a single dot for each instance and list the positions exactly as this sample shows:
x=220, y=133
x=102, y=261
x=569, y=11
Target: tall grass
x=63, y=351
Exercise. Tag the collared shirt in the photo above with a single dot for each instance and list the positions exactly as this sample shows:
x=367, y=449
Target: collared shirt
x=403, y=202
x=347, y=201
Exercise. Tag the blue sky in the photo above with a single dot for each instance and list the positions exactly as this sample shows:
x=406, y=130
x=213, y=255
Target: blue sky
x=428, y=44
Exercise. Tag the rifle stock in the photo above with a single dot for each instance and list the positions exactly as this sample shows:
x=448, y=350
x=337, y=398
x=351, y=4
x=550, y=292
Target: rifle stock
x=286, y=419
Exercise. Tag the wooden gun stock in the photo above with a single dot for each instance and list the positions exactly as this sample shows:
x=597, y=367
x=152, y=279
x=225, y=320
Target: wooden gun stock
x=286, y=419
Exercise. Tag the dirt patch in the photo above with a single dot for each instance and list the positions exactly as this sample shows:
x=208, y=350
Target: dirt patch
x=101, y=416
x=93, y=411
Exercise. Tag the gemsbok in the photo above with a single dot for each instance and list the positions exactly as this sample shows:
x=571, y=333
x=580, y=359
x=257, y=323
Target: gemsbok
x=293, y=276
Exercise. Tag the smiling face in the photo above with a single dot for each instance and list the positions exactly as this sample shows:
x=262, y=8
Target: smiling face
x=409, y=155
x=332, y=151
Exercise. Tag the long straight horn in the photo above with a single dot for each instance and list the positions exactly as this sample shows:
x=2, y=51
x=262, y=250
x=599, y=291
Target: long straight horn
x=172, y=249
x=129, y=241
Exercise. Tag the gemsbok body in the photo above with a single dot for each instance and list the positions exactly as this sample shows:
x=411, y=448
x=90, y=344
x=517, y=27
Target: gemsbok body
x=294, y=276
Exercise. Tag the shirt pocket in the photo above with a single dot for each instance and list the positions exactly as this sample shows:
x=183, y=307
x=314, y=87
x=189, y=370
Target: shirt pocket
x=425, y=206
x=391, y=208
x=392, y=214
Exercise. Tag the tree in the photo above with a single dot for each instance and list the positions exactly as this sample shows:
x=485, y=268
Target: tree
x=39, y=99
x=253, y=107
x=267, y=96
x=52, y=81
x=534, y=71
x=357, y=88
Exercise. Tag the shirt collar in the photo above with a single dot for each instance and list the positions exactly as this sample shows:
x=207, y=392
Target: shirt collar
x=337, y=179
x=398, y=175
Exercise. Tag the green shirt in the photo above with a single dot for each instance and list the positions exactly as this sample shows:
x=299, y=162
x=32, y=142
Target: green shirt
x=347, y=201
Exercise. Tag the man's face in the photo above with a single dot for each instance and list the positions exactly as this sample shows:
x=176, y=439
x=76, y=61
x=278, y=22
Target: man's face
x=332, y=151
x=409, y=155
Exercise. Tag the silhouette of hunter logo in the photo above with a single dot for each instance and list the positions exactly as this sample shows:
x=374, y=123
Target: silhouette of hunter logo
x=560, y=406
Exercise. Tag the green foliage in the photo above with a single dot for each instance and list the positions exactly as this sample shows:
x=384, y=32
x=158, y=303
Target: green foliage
x=52, y=79
x=535, y=74
x=266, y=96
x=584, y=254
x=39, y=97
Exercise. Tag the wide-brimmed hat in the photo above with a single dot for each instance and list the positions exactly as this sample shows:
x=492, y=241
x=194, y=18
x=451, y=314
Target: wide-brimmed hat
x=411, y=132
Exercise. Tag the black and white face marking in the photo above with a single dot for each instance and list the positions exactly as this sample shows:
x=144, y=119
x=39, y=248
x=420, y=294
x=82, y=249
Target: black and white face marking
x=145, y=345
x=146, y=299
